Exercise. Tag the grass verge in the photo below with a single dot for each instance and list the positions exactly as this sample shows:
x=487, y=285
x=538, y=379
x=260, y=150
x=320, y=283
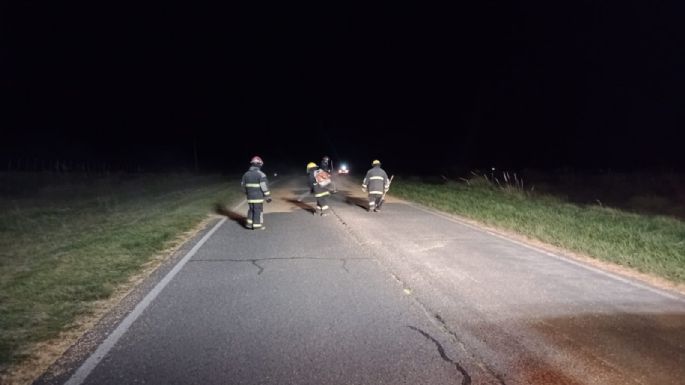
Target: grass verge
x=650, y=244
x=65, y=244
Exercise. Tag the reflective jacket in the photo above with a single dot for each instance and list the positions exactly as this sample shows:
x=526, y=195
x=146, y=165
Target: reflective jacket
x=255, y=184
x=376, y=181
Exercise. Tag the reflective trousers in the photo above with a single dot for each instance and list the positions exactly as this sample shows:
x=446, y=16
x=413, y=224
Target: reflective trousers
x=374, y=201
x=255, y=215
x=322, y=201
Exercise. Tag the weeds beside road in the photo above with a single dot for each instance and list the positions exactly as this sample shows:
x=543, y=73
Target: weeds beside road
x=649, y=243
x=69, y=240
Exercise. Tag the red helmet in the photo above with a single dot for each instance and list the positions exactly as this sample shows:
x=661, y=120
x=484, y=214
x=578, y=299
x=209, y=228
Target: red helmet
x=256, y=161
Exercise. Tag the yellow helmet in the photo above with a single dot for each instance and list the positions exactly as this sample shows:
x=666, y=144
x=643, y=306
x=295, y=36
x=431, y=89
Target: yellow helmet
x=375, y=162
x=311, y=165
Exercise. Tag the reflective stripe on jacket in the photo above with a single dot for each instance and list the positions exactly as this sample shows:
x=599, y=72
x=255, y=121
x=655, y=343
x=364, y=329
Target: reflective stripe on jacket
x=376, y=181
x=256, y=185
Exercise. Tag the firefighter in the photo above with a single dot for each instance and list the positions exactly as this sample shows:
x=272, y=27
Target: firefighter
x=327, y=165
x=257, y=190
x=377, y=183
x=320, y=192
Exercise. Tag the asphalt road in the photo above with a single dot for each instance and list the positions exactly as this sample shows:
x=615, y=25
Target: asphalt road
x=404, y=296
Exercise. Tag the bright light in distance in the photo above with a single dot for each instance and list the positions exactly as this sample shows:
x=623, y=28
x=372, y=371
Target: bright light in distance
x=343, y=169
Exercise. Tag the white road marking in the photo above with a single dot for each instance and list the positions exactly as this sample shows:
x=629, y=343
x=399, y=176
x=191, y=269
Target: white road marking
x=87, y=367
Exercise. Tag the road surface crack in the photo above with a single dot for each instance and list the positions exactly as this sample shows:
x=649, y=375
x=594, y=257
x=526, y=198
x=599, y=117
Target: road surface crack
x=466, y=379
x=369, y=247
x=254, y=262
x=454, y=336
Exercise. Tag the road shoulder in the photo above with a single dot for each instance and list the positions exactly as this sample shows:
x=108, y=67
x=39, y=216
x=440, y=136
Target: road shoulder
x=63, y=357
x=546, y=248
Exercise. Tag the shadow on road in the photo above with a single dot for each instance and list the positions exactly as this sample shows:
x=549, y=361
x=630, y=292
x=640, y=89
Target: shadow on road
x=232, y=215
x=358, y=201
x=304, y=206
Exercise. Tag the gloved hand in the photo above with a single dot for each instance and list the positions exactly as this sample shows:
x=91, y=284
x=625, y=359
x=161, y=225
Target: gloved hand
x=364, y=189
x=268, y=200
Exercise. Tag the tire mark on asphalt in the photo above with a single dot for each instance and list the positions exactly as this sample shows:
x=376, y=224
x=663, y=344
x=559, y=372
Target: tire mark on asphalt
x=466, y=378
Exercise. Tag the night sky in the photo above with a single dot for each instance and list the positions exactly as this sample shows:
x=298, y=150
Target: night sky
x=517, y=84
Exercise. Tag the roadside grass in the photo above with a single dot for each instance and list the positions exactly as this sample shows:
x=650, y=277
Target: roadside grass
x=649, y=243
x=68, y=241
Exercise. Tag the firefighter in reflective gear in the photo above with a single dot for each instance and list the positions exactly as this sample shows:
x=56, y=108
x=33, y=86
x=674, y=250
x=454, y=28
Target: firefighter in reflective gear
x=376, y=182
x=320, y=193
x=327, y=165
x=257, y=190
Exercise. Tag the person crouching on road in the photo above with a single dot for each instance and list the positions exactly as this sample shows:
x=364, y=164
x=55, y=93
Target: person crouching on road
x=320, y=192
x=257, y=190
x=376, y=182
